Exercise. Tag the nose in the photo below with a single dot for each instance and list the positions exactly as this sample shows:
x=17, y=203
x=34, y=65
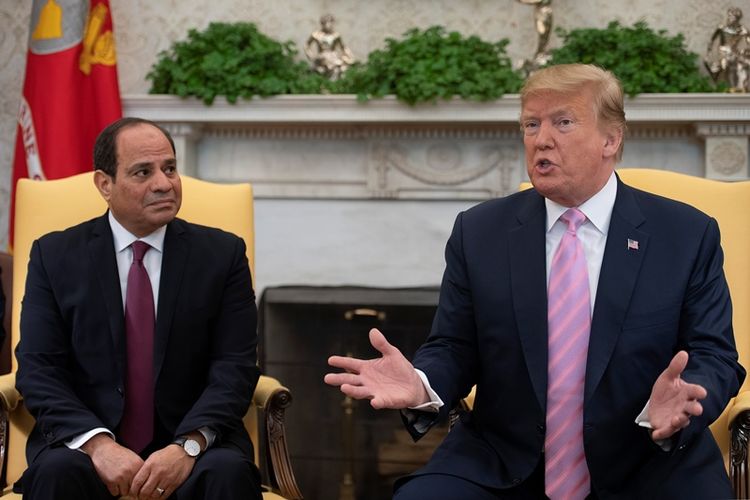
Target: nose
x=543, y=138
x=160, y=182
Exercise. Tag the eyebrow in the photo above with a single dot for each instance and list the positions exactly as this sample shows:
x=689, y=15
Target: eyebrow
x=556, y=113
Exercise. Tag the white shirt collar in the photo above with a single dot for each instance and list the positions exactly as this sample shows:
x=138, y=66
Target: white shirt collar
x=597, y=209
x=124, y=238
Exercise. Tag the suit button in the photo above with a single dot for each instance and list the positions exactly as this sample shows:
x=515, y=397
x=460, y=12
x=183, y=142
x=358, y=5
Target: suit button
x=516, y=480
x=120, y=391
x=682, y=447
x=540, y=428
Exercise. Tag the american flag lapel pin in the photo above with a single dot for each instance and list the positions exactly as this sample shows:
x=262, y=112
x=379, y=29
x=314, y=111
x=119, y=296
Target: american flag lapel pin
x=632, y=244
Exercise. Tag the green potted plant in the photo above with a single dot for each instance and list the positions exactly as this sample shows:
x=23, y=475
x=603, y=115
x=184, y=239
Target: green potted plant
x=432, y=64
x=643, y=59
x=233, y=60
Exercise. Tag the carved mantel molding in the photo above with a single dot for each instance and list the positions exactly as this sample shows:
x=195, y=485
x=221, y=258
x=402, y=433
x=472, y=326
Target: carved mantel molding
x=333, y=146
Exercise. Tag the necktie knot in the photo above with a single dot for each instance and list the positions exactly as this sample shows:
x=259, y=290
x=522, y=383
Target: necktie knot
x=573, y=218
x=139, y=250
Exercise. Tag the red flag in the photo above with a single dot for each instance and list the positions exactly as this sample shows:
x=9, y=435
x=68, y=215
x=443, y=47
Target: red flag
x=70, y=92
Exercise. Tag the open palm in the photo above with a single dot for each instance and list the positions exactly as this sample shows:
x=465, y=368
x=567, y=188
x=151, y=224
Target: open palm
x=388, y=381
x=673, y=401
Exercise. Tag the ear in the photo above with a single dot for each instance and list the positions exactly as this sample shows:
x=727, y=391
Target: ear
x=612, y=141
x=103, y=183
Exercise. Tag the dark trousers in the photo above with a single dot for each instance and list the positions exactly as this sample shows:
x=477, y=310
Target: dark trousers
x=61, y=474
x=446, y=487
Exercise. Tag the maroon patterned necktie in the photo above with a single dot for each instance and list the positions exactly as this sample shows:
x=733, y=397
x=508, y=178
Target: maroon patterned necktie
x=137, y=425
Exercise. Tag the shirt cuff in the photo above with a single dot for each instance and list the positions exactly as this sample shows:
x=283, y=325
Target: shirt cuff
x=81, y=439
x=435, y=403
x=208, y=435
x=642, y=420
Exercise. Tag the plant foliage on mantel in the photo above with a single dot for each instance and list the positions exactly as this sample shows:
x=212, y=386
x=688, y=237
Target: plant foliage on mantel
x=433, y=64
x=237, y=60
x=232, y=60
x=643, y=60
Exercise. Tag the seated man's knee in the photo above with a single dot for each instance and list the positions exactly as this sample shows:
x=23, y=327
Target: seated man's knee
x=222, y=473
x=62, y=472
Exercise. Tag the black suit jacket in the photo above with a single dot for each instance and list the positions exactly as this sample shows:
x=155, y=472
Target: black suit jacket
x=71, y=356
x=491, y=330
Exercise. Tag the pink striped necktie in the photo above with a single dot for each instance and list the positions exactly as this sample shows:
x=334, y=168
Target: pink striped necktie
x=569, y=322
x=137, y=425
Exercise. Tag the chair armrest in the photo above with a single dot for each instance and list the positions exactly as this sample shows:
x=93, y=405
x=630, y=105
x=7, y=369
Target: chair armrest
x=9, y=395
x=9, y=400
x=739, y=425
x=273, y=398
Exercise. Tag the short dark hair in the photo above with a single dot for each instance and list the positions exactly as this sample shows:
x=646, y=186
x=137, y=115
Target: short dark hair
x=105, y=147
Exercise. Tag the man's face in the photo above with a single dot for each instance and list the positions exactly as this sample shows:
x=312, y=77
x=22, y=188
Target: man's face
x=568, y=156
x=146, y=193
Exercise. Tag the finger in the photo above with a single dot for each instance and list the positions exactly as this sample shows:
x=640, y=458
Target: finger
x=677, y=365
x=348, y=364
x=694, y=408
x=113, y=489
x=695, y=391
x=339, y=379
x=379, y=342
x=356, y=391
x=680, y=421
x=136, y=486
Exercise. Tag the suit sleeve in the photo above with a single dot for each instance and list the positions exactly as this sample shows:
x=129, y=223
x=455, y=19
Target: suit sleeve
x=449, y=356
x=706, y=333
x=232, y=371
x=44, y=355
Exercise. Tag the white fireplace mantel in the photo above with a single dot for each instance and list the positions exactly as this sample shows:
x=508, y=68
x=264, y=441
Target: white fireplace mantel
x=340, y=184
x=645, y=108
x=333, y=146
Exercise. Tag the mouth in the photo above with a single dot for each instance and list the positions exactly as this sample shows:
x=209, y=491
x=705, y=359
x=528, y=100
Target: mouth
x=543, y=165
x=162, y=203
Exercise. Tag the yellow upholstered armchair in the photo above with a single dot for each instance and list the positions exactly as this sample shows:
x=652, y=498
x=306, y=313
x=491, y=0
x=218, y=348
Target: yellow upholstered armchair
x=46, y=206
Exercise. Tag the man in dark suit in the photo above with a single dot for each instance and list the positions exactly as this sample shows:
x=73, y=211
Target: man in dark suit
x=644, y=321
x=138, y=342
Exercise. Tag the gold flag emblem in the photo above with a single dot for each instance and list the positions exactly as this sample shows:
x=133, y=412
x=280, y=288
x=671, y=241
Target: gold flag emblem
x=98, y=47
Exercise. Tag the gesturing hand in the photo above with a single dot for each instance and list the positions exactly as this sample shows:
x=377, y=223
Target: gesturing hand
x=388, y=382
x=673, y=401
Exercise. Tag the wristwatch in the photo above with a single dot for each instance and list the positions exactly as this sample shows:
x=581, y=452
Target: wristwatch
x=191, y=446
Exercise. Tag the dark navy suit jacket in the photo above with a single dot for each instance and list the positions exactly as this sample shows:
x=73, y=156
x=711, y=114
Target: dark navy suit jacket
x=71, y=356
x=490, y=329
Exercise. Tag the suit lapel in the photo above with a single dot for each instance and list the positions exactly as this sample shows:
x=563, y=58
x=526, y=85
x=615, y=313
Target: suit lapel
x=173, y=265
x=102, y=254
x=619, y=273
x=529, y=284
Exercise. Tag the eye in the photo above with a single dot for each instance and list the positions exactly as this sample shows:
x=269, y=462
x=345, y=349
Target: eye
x=564, y=122
x=530, y=127
x=170, y=169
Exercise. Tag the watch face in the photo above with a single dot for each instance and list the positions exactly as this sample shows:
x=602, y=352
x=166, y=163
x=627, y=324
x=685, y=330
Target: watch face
x=192, y=447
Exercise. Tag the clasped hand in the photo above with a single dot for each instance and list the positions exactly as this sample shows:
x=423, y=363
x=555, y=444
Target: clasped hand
x=125, y=474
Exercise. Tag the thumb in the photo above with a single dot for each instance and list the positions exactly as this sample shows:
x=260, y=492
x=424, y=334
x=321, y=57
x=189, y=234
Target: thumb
x=379, y=342
x=677, y=365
